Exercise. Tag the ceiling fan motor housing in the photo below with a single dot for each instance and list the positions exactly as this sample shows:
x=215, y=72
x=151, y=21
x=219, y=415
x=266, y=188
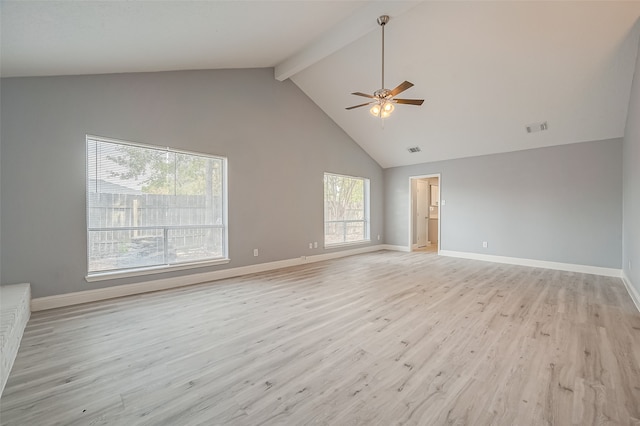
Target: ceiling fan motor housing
x=382, y=93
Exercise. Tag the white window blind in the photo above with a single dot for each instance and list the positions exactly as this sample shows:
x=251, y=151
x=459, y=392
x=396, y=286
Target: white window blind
x=149, y=206
x=346, y=209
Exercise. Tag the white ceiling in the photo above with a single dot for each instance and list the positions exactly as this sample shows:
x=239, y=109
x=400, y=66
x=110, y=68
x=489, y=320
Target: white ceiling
x=486, y=69
x=82, y=37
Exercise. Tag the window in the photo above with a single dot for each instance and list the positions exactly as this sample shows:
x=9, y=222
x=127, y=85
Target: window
x=151, y=207
x=346, y=209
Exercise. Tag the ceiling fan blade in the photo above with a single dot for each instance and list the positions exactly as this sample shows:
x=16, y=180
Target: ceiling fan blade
x=358, y=106
x=409, y=101
x=363, y=94
x=401, y=88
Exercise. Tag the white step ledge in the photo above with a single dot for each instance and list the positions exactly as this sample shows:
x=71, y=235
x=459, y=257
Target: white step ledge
x=15, y=301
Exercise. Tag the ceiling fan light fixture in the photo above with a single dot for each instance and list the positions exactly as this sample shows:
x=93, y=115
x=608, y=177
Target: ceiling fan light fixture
x=382, y=110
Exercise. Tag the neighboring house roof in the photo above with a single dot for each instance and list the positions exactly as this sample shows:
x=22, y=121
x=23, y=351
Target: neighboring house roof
x=104, y=186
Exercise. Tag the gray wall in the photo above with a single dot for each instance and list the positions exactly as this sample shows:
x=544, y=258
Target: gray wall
x=277, y=140
x=560, y=204
x=1, y=191
x=631, y=185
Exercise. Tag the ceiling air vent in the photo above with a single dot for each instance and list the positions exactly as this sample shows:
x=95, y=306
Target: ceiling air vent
x=414, y=149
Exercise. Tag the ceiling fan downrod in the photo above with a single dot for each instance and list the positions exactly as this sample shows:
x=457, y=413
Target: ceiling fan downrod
x=382, y=21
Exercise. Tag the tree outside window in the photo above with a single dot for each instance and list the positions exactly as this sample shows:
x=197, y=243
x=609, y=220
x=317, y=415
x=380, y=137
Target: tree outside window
x=346, y=209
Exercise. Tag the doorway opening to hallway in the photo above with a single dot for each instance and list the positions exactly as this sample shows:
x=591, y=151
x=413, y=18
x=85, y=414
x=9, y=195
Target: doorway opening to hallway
x=425, y=215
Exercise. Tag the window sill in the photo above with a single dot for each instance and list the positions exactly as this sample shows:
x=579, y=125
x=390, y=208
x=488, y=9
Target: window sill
x=102, y=276
x=350, y=243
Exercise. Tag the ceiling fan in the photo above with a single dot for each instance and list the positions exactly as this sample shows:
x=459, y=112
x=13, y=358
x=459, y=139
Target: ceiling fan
x=383, y=99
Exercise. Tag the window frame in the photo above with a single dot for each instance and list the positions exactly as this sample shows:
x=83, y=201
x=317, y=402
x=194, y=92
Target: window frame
x=166, y=267
x=366, y=188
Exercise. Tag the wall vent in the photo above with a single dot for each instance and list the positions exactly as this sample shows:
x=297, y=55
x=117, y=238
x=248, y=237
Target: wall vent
x=536, y=127
x=414, y=149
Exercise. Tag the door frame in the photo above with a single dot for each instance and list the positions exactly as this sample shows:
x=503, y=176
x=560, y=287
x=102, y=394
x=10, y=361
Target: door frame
x=411, y=206
x=421, y=210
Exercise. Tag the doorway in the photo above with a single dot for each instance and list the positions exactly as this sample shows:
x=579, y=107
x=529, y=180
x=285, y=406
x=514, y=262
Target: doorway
x=424, y=223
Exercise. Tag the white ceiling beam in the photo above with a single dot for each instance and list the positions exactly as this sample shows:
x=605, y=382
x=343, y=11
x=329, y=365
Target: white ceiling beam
x=361, y=22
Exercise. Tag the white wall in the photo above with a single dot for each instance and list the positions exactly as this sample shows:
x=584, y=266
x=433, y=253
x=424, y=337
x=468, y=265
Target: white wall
x=278, y=142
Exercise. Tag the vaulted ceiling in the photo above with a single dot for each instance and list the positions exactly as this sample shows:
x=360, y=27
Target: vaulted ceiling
x=485, y=69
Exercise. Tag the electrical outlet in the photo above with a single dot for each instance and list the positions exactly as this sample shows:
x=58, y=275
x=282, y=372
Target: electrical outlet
x=315, y=244
x=310, y=245
x=255, y=252
x=485, y=244
x=378, y=237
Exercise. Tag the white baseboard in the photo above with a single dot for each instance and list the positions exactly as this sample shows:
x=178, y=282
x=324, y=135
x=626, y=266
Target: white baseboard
x=635, y=296
x=76, y=298
x=570, y=267
x=343, y=253
x=395, y=248
x=69, y=299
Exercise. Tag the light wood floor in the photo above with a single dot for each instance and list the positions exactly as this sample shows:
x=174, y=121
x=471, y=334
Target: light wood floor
x=432, y=248
x=385, y=338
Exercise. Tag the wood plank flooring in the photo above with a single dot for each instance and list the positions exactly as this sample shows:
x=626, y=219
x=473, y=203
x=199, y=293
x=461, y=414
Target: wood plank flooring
x=384, y=338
